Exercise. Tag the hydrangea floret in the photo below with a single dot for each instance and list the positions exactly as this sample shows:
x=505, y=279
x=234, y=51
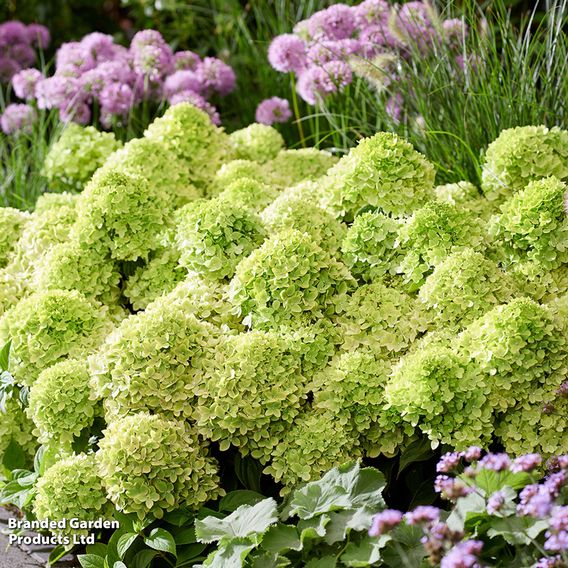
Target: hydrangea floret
x=213, y=236
x=151, y=465
x=257, y=142
x=12, y=224
x=250, y=193
x=73, y=159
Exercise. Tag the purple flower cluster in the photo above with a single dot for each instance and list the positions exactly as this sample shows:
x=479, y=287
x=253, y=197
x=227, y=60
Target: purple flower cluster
x=97, y=73
x=385, y=521
x=273, y=110
x=18, y=44
x=463, y=555
x=323, y=48
x=17, y=119
x=557, y=535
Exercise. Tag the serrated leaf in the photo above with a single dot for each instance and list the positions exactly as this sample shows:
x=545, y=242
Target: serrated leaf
x=91, y=561
x=125, y=542
x=144, y=558
x=323, y=562
x=267, y=560
x=233, y=500
x=230, y=554
x=313, y=528
x=364, y=553
x=404, y=548
x=341, y=522
x=468, y=505
x=490, y=481
x=280, y=538
x=246, y=520
x=517, y=530
x=162, y=540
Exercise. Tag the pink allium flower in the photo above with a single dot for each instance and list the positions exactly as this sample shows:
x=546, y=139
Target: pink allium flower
x=56, y=91
x=335, y=76
x=23, y=54
x=324, y=51
x=8, y=68
x=116, y=98
x=287, y=53
x=73, y=54
x=38, y=36
x=273, y=110
x=374, y=39
x=336, y=22
x=413, y=19
x=198, y=101
x=17, y=119
x=100, y=46
x=371, y=12
x=455, y=31
x=183, y=81
x=94, y=80
x=308, y=84
x=393, y=107
x=186, y=60
x=385, y=521
x=151, y=55
x=13, y=32
x=78, y=112
x=216, y=76
x=24, y=83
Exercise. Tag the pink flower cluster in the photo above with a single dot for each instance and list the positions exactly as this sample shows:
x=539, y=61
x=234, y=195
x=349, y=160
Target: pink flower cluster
x=323, y=48
x=96, y=73
x=18, y=44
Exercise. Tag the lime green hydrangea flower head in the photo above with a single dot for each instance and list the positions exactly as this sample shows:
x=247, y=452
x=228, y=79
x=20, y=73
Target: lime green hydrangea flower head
x=294, y=166
x=160, y=276
x=383, y=171
x=205, y=299
x=213, y=236
x=59, y=402
x=13, y=287
x=16, y=427
x=559, y=309
x=463, y=287
x=435, y=389
x=257, y=142
x=538, y=282
x=48, y=201
x=539, y=425
x=43, y=231
x=314, y=444
x=71, y=266
x=250, y=193
x=518, y=347
x=380, y=317
x=121, y=213
x=371, y=248
x=294, y=213
x=234, y=171
x=151, y=465
x=533, y=225
x=430, y=235
x=263, y=365
x=522, y=155
x=73, y=159
x=156, y=360
x=47, y=327
x=352, y=389
x=158, y=165
x=199, y=145
x=454, y=193
x=12, y=224
x=287, y=277
x=72, y=489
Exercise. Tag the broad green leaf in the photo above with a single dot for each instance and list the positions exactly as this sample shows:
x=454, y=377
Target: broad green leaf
x=490, y=481
x=365, y=552
x=57, y=554
x=91, y=561
x=189, y=553
x=246, y=520
x=267, y=560
x=517, y=530
x=5, y=356
x=112, y=551
x=468, y=505
x=233, y=500
x=324, y=562
x=161, y=539
x=313, y=528
x=184, y=535
x=14, y=456
x=404, y=548
x=98, y=548
x=178, y=518
x=249, y=472
x=144, y=558
x=280, y=538
x=125, y=542
x=417, y=451
x=341, y=522
x=230, y=554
